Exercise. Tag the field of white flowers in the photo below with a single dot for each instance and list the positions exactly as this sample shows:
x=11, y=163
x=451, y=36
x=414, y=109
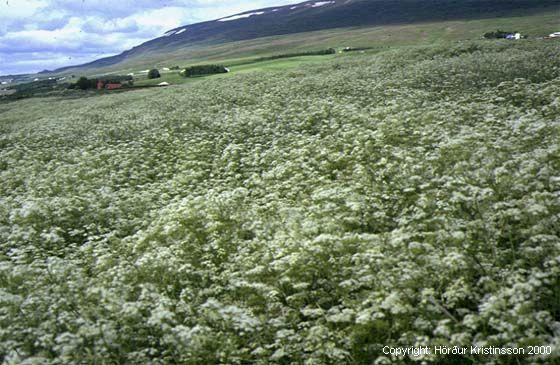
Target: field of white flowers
x=309, y=216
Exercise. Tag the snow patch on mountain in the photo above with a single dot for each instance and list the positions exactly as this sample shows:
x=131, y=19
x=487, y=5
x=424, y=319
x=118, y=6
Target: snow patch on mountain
x=241, y=16
x=322, y=3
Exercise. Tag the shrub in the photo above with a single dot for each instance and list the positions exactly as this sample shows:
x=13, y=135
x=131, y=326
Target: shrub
x=154, y=74
x=203, y=70
x=497, y=34
x=84, y=83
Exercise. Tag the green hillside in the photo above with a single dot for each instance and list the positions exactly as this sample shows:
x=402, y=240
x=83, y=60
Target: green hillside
x=538, y=21
x=308, y=215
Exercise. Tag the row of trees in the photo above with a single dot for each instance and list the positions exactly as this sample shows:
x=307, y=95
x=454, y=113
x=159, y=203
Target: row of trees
x=203, y=70
x=498, y=34
x=321, y=52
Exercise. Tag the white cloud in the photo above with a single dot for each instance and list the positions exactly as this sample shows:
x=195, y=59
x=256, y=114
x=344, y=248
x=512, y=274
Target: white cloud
x=21, y=8
x=40, y=34
x=102, y=26
x=163, y=19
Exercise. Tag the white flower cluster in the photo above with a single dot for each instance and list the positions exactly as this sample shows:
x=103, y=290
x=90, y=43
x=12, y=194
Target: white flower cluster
x=312, y=216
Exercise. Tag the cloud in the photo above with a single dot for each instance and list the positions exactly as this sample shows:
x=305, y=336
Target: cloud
x=13, y=15
x=71, y=38
x=41, y=59
x=100, y=26
x=47, y=34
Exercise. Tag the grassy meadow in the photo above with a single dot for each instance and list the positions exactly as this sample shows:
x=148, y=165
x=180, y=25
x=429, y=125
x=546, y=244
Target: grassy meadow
x=239, y=66
x=290, y=214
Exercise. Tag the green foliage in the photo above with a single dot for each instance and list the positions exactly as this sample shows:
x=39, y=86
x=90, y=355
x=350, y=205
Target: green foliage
x=113, y=79
x=35, y=86
x=84, y=83
x=153, y=74
x=321, y=52
x=304, y=217
x=200, y=70
x=497, y=34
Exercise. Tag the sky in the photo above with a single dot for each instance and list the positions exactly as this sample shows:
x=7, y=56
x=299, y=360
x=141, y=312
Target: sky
x=47, y=34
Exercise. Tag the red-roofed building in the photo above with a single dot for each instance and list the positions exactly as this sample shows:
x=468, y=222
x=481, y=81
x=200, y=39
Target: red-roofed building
x=102, y=84
x=113, y=86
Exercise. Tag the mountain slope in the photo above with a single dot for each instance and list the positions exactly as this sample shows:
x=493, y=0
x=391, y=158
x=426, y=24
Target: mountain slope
x=320, y=15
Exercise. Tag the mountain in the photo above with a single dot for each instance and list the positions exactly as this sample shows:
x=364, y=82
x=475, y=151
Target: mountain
x=320, y=15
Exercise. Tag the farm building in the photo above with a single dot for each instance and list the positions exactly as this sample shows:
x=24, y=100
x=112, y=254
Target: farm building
x=113, y=86
x=515, y=36
x=102, y=84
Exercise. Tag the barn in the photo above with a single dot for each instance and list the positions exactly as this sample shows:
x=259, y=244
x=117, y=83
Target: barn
x=113, y=86
x=108, y=85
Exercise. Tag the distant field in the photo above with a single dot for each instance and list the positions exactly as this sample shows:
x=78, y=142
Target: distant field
x=297, y=211
x=173, y=77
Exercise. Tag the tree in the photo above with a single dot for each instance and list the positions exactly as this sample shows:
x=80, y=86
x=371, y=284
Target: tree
x=153, y=74
x=83, y=83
